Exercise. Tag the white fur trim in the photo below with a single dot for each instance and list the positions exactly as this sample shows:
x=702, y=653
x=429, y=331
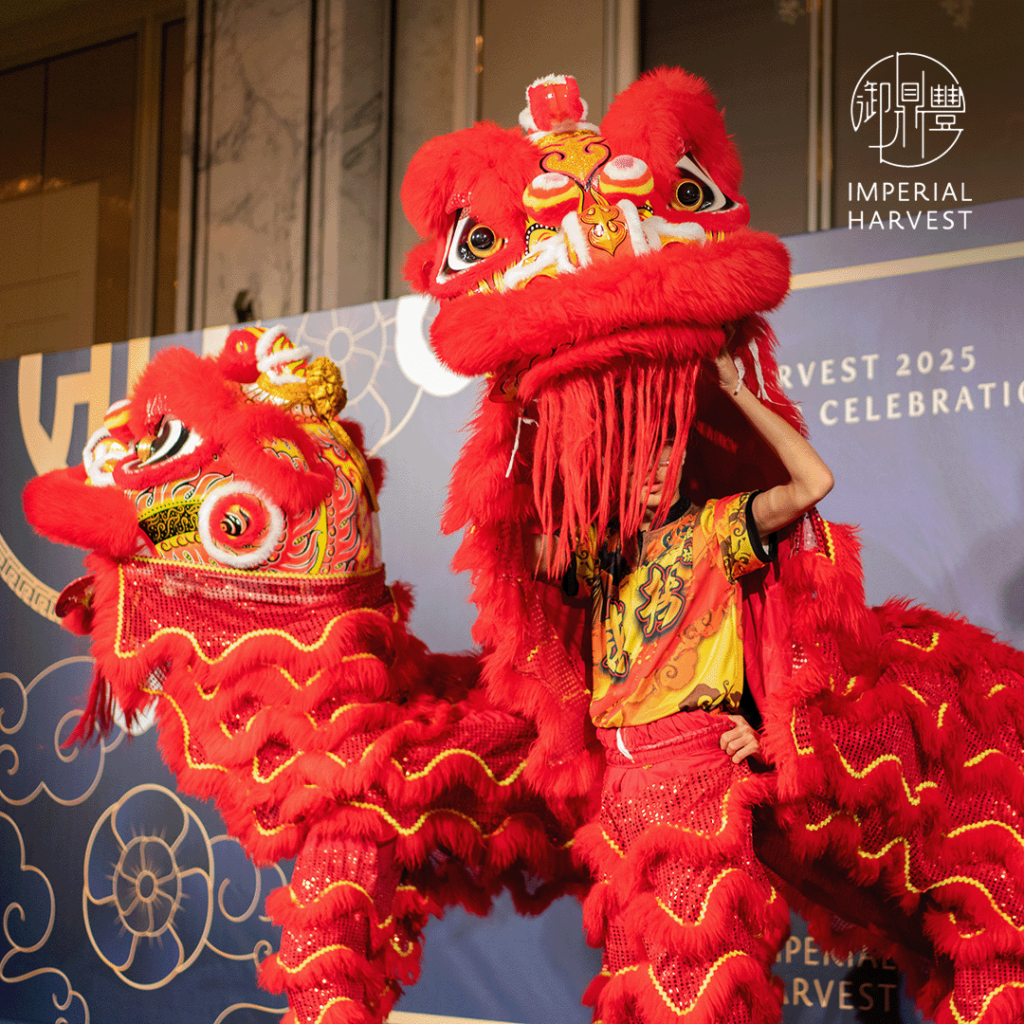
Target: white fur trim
x=635, y=227
x=552, y=181
x=547, y=253
x=271, y=363
x=666, y=229
x=96, y=452
x=761, y=391
x=239, y=560
x=652, y=234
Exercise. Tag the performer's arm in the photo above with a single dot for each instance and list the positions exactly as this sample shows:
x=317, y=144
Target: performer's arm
x=809, y=478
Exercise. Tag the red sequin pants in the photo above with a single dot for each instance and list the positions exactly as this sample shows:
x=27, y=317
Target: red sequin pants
x=688, y=918
x=344, y=933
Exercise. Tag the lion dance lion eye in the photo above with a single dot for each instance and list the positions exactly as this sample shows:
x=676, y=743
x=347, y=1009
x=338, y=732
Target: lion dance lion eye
x=165, y=442
x=696, y=191
x=689, y=194
x=470, y=243
x=482, y=242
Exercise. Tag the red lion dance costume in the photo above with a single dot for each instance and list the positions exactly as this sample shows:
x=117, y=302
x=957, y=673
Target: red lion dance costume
x=588, y=272
x=236, y=580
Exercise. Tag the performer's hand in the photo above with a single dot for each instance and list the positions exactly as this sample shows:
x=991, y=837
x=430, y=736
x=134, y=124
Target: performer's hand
x=728, y=375
x=741, y=741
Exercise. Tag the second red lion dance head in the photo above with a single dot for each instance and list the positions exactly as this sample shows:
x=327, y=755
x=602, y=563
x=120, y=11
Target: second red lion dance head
x=589, y=271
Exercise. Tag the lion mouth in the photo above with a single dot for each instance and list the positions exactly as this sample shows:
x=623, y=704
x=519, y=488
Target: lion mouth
x=663, y=303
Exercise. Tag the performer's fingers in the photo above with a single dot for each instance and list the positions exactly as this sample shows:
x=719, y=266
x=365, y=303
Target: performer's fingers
x=740, y=739
x=747, y=750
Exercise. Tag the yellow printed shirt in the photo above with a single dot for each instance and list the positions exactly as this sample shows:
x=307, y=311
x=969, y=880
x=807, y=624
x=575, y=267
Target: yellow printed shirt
x=669, y=637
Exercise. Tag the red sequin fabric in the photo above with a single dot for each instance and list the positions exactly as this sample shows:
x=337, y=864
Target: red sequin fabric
x=324, y=730
x=689, y=920
x=899, y=737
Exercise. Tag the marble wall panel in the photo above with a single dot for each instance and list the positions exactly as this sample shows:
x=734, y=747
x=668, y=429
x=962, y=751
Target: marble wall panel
x=422, y=106
x=251, y=157
x=348, y=172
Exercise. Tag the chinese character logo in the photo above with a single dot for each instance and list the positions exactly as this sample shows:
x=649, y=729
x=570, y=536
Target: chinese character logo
x=909, y=103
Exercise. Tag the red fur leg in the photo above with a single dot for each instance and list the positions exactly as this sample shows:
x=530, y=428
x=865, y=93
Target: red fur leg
x=338, y=918
x=689, y=920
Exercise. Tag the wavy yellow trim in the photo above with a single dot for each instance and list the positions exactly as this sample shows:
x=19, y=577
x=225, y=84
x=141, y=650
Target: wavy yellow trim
x=910, y=689
x=277, y=771
x=336, y=713
x=942, y=714
x=707, y=981
x=295, y=685
x=332, y=1002
x=611, y=842
x=960, y=1019
x=792, y=732
x=915, y=800
x=995, y=689
x=707, y=899
x=196, y=765
x=956, y=924
x=422, y=819
x=621, y=970
x=830, y=554
x=944, y=881
x=272, y=831
x=723, y=810
x=203, y=695
x=334, y=885
x=818, y=825
x=249, y=722
x=983, y=824
x=305, y=648
x=704, y=903
x=312, y=956
x=930, y=647
x=911, y=795
x=978, y=758
x=230, y=649
x=469, y=753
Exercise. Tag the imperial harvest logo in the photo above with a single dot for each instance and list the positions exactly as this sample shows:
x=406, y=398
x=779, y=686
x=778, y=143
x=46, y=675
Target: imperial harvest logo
x=908, y=106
